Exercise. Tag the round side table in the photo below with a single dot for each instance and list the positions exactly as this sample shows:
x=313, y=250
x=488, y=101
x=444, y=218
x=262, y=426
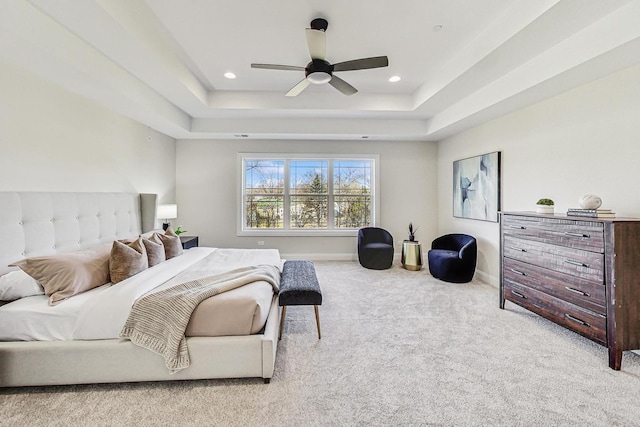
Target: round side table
x=411, y=255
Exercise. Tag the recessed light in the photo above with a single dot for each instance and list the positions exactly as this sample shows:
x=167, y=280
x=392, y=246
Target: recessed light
x=437, y=28
x=230, y=75
x=394, y=79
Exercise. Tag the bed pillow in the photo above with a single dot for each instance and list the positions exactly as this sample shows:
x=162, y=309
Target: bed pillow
x=18, y=284
x=155, y=252
x=149, y=234
x=171, y=242
x=127, y=259
x=67, y=274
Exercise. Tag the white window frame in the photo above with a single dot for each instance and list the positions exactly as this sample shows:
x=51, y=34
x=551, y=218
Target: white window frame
x=240, y=214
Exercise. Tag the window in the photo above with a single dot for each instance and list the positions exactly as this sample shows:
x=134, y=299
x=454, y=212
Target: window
x=306, y=194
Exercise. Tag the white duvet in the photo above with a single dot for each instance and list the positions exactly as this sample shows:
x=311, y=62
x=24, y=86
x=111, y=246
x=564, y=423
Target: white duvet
x=101, y=312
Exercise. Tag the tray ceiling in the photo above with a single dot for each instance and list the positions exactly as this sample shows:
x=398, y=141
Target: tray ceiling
x=162, y=62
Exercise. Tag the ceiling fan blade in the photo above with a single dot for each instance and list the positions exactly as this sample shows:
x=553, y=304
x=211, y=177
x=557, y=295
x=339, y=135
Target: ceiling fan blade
x=317, y=43
x=278, y=67
x=342, y=86
x=302, y=85
x=362, y=64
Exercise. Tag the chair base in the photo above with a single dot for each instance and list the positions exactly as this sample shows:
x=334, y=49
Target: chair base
x=445, y=265
x=376, y=259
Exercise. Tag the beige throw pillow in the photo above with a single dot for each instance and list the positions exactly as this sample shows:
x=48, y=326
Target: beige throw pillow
x=155, y=252
x=67, y=274
x=127, y=259
x=171, y=242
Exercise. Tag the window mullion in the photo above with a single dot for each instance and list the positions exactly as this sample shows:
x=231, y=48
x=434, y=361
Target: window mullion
x=330, y=204
x=286, y=215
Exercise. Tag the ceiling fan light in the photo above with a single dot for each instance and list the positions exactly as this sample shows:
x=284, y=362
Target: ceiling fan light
x=319, y=77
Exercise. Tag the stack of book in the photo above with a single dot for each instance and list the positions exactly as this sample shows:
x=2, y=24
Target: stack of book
x=591, y=213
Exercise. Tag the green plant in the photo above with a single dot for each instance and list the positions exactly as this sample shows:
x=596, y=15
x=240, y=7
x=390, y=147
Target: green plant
x=545, y=202
x=179, y=230
x=412, y=232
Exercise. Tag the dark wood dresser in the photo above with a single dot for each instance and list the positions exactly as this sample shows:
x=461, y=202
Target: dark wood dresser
x=581, y=273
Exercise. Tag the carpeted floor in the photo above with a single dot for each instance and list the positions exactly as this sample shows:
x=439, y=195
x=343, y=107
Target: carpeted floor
x=397, y=348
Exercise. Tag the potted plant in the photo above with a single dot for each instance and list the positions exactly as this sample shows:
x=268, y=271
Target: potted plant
x=179, y=230
x=544, y=206
x=412, y=232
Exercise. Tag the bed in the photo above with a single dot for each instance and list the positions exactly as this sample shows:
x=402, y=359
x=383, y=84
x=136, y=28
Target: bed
x=86, y=351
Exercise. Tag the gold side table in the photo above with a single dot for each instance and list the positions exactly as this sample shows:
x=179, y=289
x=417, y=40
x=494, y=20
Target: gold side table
x=411, y=255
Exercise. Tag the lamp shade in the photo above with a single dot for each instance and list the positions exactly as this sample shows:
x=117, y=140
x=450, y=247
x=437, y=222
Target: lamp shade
x=167, y=211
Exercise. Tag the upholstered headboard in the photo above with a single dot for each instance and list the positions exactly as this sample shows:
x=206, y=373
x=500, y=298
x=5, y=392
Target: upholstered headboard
x=39, y=223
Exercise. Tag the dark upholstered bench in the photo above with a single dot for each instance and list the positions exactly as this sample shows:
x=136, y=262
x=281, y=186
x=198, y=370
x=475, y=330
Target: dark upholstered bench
x=299, y=286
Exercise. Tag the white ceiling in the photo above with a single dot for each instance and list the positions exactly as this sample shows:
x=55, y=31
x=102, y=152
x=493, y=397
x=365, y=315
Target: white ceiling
x=161, y=62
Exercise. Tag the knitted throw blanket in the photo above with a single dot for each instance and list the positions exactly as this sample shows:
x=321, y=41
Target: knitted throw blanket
x=158, y=321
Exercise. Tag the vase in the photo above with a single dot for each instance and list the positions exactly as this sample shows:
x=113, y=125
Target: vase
x=544, y=209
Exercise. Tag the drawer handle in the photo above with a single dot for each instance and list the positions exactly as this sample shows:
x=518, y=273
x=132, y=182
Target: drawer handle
x=522, y=273
x=577, y=235
x=578, y=263
x=519, y=227
x=518, y=294
x=518, y=249
x=575, y=319
x=576, y=291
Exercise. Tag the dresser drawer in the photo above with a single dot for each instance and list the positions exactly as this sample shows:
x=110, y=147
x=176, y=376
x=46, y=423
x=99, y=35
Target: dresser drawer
x=584, y=322
x=576, y=262
x=578, y=291
x=585, y=235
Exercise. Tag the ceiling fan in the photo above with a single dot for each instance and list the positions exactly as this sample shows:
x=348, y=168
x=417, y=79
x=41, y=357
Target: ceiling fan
x=319, y=70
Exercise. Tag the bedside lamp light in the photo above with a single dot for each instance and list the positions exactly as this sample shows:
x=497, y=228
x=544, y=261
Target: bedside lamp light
x=167, y=212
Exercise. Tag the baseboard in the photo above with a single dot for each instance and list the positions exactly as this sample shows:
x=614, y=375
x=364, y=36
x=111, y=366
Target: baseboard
x=487, y=278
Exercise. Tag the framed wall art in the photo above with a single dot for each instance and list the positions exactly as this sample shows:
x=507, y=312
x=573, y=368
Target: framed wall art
x=476, y=187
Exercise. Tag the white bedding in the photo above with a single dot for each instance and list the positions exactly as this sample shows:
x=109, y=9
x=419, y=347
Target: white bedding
x=101, y=312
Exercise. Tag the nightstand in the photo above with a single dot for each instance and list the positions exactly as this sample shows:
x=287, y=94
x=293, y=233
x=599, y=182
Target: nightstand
x=189, y=241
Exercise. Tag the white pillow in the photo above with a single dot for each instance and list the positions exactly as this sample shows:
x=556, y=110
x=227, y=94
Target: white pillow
x=18, y=284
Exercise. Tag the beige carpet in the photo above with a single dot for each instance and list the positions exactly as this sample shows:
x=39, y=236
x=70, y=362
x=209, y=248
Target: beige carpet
x=398, y=348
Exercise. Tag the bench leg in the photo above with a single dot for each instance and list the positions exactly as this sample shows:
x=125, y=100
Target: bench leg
x=284, y=313
x=317, y=321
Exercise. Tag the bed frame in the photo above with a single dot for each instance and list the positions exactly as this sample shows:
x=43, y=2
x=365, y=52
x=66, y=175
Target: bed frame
x=38, y=223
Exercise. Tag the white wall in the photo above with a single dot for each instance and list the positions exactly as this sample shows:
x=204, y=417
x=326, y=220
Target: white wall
x=54, y=140
x=585, y=141
x=206, y=190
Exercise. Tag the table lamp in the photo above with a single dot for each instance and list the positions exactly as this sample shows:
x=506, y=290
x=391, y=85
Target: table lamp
x=167, y=212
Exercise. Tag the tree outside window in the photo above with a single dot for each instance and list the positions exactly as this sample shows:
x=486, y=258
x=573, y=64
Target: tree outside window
x=264, y=193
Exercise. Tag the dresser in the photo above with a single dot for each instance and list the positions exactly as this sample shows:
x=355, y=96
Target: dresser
x=581, y=273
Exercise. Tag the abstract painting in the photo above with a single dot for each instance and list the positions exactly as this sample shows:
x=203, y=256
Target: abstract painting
x=476, y=187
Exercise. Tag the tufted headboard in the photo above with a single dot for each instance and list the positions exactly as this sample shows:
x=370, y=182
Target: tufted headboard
x=43, y=223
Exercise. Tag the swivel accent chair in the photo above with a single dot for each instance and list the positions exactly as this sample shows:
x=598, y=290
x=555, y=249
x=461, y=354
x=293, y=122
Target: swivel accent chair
x=452, y=258
x=375, y=248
